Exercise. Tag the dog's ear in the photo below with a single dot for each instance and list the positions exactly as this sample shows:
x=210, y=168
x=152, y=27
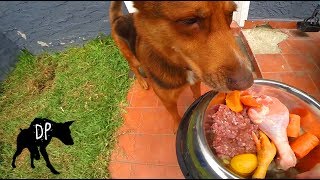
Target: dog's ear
x=68, y=123
x=230, y=6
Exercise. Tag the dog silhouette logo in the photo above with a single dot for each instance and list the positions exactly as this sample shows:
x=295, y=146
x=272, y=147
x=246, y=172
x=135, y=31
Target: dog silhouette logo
x=38, y=136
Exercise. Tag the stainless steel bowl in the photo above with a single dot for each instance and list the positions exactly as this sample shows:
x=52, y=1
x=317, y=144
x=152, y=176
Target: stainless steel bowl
x=195, y=157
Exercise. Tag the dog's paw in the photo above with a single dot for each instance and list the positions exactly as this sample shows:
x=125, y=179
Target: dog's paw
x=32, y=166
x=13, y=165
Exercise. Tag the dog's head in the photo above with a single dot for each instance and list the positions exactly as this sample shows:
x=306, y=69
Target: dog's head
x=196, y=35
x=63, y=133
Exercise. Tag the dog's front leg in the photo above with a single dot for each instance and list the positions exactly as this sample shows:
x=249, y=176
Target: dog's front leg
x=46, y=158
x=169, y=98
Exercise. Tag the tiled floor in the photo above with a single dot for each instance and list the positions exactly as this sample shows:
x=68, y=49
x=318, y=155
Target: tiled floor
x=298, y=64
x=146, y=144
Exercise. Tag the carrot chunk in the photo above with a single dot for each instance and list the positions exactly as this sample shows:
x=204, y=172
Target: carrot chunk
x=218, y=99
x=309, y=161
x=233, y=101
x=304, y=144
x=244, y=93
x=249, y=100
x=293, y=128
x=308, y=121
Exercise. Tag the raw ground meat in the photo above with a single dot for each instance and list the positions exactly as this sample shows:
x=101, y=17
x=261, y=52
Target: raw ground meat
x=232, y=132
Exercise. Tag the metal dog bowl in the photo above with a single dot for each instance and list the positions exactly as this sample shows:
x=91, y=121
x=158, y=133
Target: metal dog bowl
x=195, y=157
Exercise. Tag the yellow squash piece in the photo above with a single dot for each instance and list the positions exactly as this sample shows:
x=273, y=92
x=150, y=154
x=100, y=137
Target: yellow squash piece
x=244, y=164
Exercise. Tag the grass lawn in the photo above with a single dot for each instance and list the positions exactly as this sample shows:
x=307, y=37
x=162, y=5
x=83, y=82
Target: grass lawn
x=87, y=84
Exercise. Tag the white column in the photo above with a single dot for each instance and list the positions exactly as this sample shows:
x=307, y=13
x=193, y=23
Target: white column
x=242, y=12
x=239, y=16
x=129, y=5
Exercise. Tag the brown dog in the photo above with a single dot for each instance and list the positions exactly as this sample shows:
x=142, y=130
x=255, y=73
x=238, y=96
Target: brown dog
x=178, y=44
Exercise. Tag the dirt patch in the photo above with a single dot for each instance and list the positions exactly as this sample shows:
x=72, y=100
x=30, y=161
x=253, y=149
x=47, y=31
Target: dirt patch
x=43, y=79
x=264, y=40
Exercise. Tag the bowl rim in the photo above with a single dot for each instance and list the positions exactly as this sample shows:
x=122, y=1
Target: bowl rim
x=205, y=148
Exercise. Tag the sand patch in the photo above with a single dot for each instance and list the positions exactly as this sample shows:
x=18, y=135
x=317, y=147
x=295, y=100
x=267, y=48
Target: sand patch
x=264, y=40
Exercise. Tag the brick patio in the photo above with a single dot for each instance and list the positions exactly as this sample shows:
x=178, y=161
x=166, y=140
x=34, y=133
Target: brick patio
x=146, y=144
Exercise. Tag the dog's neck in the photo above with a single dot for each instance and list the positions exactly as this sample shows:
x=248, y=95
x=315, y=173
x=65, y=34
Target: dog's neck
x=165, y=73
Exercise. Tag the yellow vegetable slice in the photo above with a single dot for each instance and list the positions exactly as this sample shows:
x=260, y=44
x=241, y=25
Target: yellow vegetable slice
x=244, y=164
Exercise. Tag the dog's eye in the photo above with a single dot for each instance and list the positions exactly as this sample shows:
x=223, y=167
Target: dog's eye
x=189, y=21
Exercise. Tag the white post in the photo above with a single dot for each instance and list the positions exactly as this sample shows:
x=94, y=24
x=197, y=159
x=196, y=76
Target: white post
x=242, y=12
x=239, y=16
x=129, y=5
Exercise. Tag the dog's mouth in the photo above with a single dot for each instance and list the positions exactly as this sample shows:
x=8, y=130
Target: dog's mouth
x=215, y=82
x=224, y=83
x=240, y=84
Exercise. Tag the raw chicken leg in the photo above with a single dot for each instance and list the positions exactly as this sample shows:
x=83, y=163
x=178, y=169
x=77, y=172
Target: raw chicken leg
x=273, y=118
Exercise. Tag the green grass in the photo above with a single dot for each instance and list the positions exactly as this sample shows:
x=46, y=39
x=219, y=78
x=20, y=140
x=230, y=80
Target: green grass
x=87, y=84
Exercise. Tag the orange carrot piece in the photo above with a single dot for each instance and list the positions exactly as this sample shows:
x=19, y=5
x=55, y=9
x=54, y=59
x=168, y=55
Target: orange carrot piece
x=308, y=121
x=244, y=93
x=249, y=100
x=304, y=144
x=309, y=161
x=233, y=101
x=293, y=128
x=218, y=99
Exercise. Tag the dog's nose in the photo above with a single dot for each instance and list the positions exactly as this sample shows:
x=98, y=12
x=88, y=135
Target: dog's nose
x=240, y=80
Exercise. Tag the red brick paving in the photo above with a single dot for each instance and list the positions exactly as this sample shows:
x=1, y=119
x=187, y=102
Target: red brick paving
x=298, y=64
x=146, y=144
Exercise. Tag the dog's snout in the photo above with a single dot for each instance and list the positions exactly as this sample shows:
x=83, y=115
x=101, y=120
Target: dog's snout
x=240, y=80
